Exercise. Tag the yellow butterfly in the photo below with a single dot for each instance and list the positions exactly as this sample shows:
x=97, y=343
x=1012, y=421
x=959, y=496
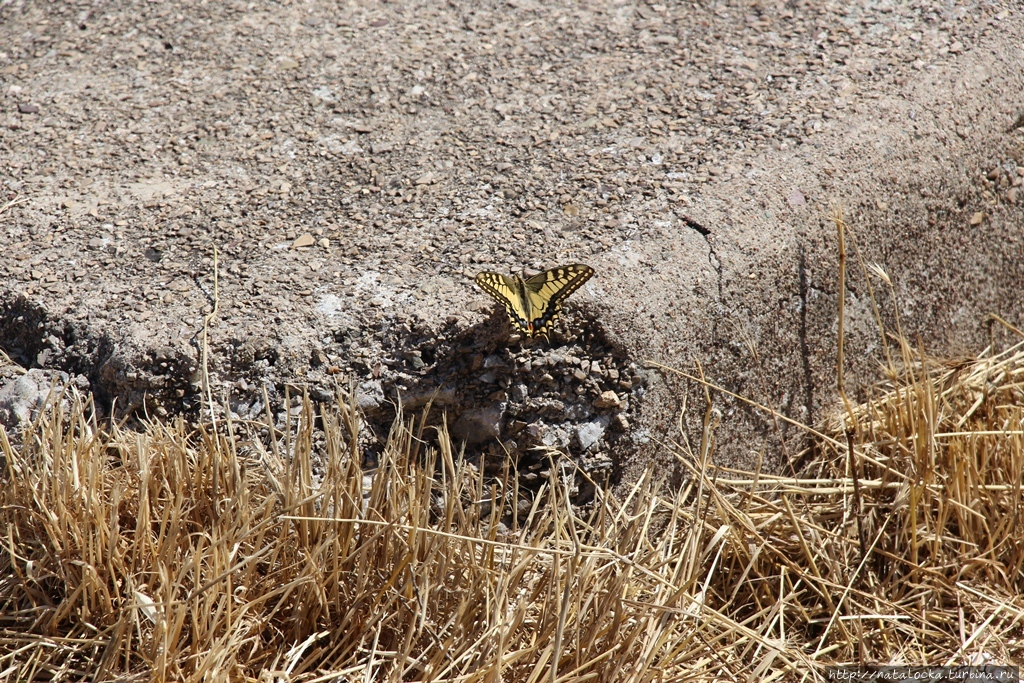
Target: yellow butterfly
x=535, y=302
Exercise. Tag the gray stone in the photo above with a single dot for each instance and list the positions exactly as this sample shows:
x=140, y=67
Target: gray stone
x=370, y=395
x=479, y=425
x=494, y=361
x=578, y=412
x=590, y=433
x=23, y=397
x=518, y=392
x=555, y=437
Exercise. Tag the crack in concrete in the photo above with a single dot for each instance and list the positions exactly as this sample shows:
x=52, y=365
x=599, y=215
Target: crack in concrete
x=805, y=350
x=717, y=265
x=705, y=232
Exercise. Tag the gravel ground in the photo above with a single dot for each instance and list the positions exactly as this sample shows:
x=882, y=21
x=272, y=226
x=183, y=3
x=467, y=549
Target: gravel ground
x=356, y=164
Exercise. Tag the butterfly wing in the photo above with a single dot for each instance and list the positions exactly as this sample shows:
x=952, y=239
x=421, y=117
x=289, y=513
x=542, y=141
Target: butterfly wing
x=545, y=292
x=508, y=291
x=533, y=304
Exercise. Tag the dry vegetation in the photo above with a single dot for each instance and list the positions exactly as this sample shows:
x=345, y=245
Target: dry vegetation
x=196, y=554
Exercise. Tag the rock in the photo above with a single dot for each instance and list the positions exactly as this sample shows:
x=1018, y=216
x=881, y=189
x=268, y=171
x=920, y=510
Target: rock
x=369, y=395
x=321, y=394
x=620, y=423
x=305, y=240
x=607, y=399
x=589, y=434
x=555, y=437
x=22, y=398
x=494, y=361
x=324, y=243
x=518, y=392
x=28, y=108
x=479, y=425
x=977, y=218
x=550, y=407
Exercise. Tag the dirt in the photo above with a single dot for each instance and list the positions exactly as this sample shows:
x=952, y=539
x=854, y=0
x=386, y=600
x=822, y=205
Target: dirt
x=356, y=165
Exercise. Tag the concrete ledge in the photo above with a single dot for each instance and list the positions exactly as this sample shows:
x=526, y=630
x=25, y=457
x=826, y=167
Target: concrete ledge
x=351, y=202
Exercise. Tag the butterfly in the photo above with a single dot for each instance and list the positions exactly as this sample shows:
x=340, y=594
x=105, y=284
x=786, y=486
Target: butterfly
x=535, y=302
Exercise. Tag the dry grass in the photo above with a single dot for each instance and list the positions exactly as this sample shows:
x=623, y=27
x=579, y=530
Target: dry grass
x=902, y=540
x=165, y=553
x=168, y=555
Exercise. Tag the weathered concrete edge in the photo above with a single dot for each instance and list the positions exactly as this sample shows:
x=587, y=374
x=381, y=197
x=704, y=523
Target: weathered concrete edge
x=769, y=332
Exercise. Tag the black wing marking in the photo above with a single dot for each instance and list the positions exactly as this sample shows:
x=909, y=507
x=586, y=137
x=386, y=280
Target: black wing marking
x=533, y=304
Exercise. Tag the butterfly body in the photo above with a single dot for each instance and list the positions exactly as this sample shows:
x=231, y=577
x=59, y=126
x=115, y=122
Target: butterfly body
x=534, y=303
